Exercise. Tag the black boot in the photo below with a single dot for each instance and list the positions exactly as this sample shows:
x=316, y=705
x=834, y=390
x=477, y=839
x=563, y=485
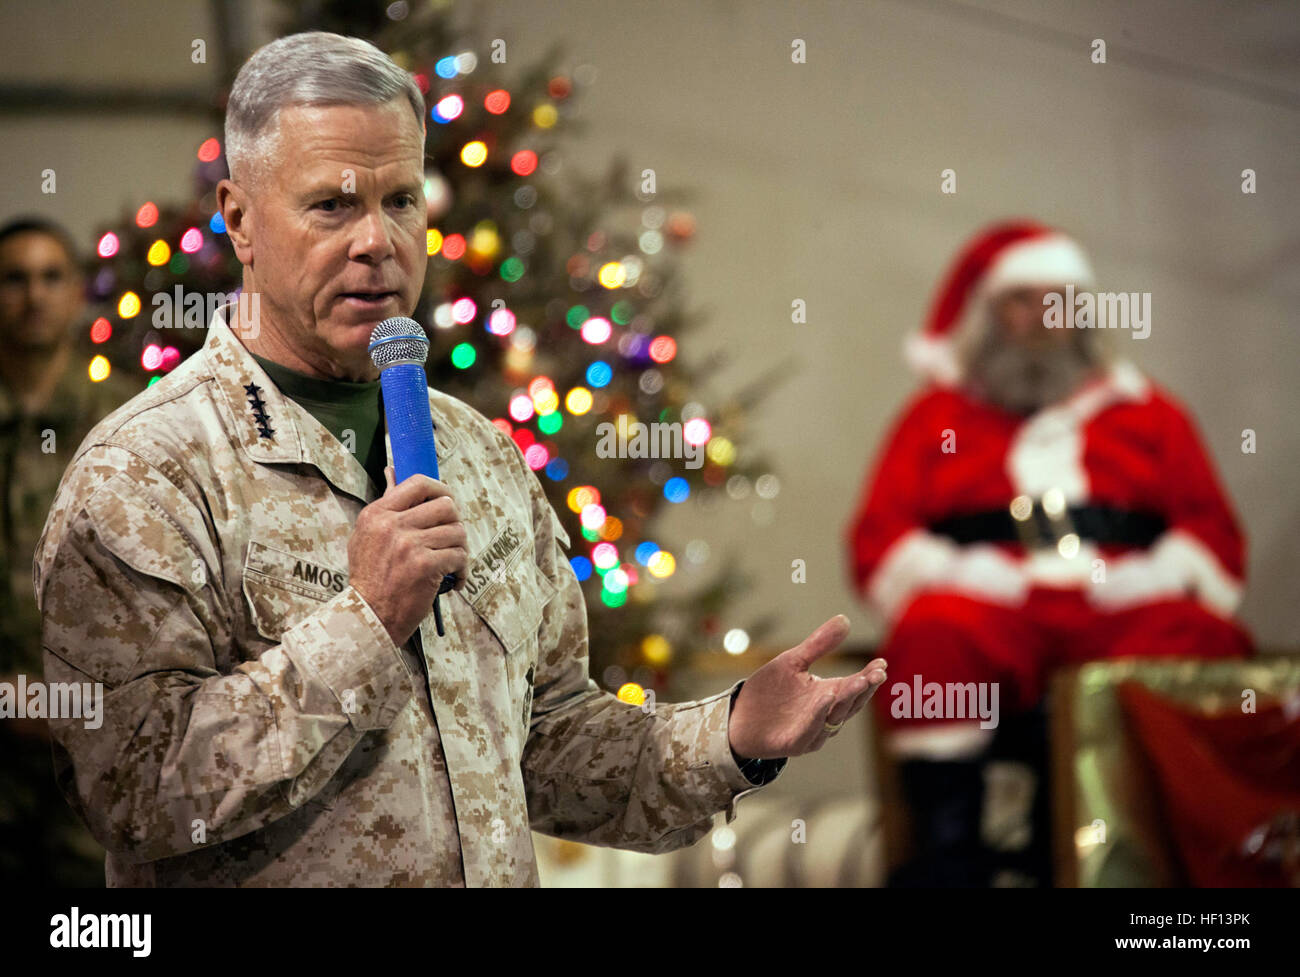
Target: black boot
x=1022, y=740
x=945, y=800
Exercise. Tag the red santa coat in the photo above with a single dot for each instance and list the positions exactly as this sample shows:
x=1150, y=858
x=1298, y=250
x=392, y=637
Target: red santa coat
x=1119, y=441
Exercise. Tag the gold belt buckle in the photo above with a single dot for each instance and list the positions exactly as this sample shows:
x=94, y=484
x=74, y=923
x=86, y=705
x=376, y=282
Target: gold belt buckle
x=1058, y=532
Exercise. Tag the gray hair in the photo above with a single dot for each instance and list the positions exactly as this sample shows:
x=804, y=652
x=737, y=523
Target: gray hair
x=312, y=68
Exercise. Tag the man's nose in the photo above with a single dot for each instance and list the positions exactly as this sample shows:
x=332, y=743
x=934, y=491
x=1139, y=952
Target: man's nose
x=372, y=238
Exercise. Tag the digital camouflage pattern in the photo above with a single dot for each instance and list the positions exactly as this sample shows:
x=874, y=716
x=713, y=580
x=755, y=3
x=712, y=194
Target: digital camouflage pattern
x=260, y=727
x=41, y=840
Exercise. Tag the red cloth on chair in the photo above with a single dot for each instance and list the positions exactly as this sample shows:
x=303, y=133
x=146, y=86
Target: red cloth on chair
x=1229, y=784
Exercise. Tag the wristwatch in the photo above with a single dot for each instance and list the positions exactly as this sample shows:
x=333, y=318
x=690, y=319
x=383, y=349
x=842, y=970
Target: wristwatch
x=757, y=772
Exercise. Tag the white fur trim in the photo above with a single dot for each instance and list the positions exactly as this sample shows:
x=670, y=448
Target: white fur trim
x=914, y=560
x=1053, y=259
x=1178, y=564
x=932, y=357
x=919, y=559
x=947, y=741
x=1047, y=451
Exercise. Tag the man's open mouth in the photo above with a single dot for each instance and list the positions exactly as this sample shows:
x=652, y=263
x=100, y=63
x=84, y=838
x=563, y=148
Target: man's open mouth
x=374, y=297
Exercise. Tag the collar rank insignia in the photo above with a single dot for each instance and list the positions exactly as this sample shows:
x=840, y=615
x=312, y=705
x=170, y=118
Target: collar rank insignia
x=264, y=429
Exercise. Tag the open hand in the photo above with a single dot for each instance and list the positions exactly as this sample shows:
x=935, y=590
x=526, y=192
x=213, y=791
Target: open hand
x=783, y=709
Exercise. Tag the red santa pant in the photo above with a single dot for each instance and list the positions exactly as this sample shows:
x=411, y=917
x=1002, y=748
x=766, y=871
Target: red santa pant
x=947, y=637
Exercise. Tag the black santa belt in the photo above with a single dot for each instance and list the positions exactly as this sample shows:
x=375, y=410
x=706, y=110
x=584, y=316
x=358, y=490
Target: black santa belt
x=1036, y=528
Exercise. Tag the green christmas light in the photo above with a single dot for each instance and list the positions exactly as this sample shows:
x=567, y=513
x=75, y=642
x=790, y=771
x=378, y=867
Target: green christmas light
x=550, y=423
x=578, y=314
x=512, y=269
x=463, y=356
x=622, y=313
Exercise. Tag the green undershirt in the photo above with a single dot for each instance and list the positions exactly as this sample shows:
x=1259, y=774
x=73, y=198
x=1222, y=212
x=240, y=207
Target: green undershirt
x=339, y=406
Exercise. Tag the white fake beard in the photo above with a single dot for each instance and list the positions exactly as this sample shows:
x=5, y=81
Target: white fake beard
x=1027, y=380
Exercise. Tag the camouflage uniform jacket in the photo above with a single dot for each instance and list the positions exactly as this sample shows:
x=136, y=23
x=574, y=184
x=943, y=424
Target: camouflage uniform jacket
x=261, y=728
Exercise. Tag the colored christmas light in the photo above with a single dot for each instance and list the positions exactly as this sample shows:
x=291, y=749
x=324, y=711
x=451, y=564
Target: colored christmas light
x=464, y=310
x=99, y=369
x=474, y=154
x=663, y=349
x=537, y=456
x=147, y=215
x=101, y=330
x=108, y=245
x=524, y=162
x=209, y=150
x=596, y=330
x=453, y=247
x=463, y=356
x=677, y=489
x=447, y=109
x=599, y=374
x=497, y=101
x=578, y=401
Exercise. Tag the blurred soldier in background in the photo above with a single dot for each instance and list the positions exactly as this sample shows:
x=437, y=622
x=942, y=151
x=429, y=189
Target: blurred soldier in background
x=47, y=405
x=1038, y=504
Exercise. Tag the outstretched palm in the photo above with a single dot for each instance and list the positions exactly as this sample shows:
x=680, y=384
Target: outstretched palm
x=783, y=710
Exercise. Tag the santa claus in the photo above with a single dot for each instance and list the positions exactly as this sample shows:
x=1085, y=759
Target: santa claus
x=1037, y=504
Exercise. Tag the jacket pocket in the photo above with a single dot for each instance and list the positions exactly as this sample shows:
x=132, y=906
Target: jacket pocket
x=512, y=605
x=281, y=589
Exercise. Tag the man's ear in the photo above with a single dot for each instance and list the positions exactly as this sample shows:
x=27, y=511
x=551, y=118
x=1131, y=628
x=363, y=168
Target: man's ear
x=233, y=205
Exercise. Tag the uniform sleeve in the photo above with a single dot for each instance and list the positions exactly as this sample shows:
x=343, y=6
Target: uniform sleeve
x=183, y=755
x=597, y=770
x=892, y=554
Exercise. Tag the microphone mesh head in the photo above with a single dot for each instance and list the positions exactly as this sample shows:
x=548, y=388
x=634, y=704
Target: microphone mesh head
x=398, y=340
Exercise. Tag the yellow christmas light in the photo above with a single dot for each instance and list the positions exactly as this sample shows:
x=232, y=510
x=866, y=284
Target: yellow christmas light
x=474, y=153
x=612, y=274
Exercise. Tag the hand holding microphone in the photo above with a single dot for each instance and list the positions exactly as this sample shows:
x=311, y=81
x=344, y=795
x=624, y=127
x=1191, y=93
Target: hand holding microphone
x=408, y=546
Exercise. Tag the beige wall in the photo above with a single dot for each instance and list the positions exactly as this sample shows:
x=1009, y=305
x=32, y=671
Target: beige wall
x=821, y=181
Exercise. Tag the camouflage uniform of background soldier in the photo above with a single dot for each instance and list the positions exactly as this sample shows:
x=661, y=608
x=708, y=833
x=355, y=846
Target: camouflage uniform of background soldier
x=47, y=406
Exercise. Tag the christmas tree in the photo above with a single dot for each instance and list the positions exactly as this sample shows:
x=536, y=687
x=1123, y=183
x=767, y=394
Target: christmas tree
x=553, y=306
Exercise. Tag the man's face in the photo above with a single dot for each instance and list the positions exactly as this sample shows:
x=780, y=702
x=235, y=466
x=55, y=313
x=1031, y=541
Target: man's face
x=40, y=292
x=1022, y=365
x=335, y=230
x=1019, y=314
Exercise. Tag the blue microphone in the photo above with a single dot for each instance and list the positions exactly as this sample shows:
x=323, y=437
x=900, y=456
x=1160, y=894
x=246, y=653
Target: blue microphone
x=399, y=348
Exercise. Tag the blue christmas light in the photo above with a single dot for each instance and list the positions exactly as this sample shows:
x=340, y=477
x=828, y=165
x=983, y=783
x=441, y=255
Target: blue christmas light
x=677, y=489
x=217, y=225
x=599, y=374
x=581, y=567
x=557, y=469
x=644, y=551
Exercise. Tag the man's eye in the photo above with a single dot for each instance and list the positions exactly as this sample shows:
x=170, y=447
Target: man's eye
x=329, y=206
x=407, y=198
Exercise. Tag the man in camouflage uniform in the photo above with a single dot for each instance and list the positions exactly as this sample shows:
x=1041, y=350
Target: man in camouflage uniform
x=279, y=709
x=47, y=405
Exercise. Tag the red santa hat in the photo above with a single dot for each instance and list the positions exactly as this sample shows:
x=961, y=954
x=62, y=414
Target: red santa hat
x=1005, y=255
